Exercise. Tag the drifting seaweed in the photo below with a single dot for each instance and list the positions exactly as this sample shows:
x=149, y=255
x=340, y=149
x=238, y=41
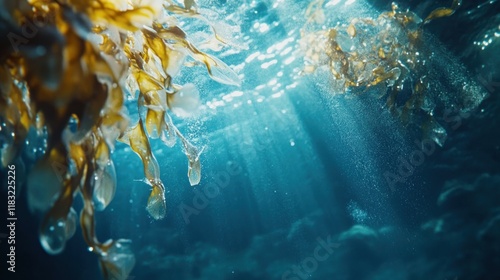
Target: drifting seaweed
x=390, y=53
x=65, y=73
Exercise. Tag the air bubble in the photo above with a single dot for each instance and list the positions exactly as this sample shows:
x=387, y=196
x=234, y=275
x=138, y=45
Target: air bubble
x=53, y=236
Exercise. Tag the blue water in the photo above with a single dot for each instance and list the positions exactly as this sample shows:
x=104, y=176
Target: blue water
x=293, y=183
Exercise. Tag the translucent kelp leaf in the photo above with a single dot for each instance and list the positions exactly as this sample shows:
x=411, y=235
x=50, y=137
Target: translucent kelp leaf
x=443, y=12
x=194, y=172
x=102, y=153
x=132, y=86
x=224, y=34
x=217, y=69
x=156, y=100
x=220, y=72
x=118, y=260
x=439, y=12
x=128, y=20
x=189, y=4
x=436, y=132
x=104, y=186
x=193, y=155
x=45, y=182
x=175, y=62
x=154, y=121
x=185, y=101
x=155, y=104
x=53, y=236
x=138, y=141
x=392, y=76
x=411, y=20
x=157, y=206
x=168, y=136
x=117, y=124
x=71, y=221
x=21, y=111
x=147, y=83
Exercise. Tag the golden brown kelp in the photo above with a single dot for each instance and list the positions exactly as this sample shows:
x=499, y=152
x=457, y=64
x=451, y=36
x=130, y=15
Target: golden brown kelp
x=392, y=54
x=66, y=68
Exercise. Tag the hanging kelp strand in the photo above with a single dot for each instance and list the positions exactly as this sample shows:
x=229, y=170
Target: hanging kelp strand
x=66, y=70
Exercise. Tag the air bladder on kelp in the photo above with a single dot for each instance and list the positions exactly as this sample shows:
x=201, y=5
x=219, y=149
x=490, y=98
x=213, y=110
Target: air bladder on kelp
x=104, y=185
x=69, y=83
x=55, y=232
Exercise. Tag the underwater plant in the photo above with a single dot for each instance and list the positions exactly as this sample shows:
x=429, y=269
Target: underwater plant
x=394, y=56
x=66, y=70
